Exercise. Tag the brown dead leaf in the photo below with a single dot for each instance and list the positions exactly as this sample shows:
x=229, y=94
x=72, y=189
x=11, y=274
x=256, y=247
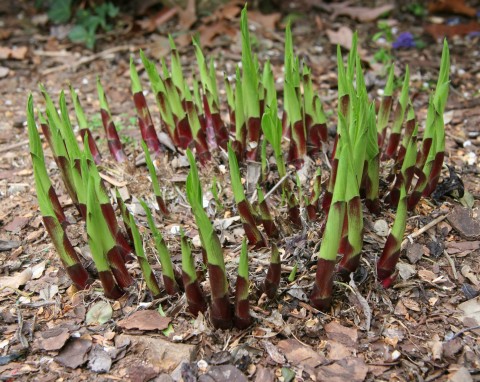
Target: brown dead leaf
x=17, y=53
x=145, y=320
x=461, y=246
x=361, y=14
x=436, y=347
x=267, y=21
x=17, y=280
x=301, y=355
x=188, y=15
x=439, y=31
x=451, y=6
x=273, y=352
x=16, y=224
x=411, y=304
x=54, y=339
x=209, y=32
x=342, y=334
x=460, y=374
x=348, y=369
x=427, y=275
x=75, y=353
x=337, y=351
x=342, y=37
x=151, y=23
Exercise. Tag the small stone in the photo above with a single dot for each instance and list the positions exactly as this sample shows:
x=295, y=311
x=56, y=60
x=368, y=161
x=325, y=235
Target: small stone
x=463, y=222
x=381, y=228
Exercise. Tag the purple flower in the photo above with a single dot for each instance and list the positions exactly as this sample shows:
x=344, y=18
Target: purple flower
x=404, y=40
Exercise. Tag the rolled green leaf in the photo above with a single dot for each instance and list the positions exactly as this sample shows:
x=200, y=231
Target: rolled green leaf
x=38, y=160
x=168, y=272
x=391, y=251
x=102, y=247
x=195, y=297
x=398, y=115
x=242, y=306
x=267, y=220
x=84, y=130
x=125, y=215
x=211, y=103
x=250, y=85
x=113, y=140
x=155, y=183
x=321, y=296
x=58, y=145
x=221, y=308
x=272, y=280
x=244, y=207
x=49, y=208
x=145, y=121
x=385, y=108
x=148, y=274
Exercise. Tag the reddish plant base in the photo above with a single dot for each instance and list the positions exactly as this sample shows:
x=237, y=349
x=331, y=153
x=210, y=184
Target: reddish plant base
x=162, y=206
x=249, y=225
x=242, y=306
x=57, y=207
x=253, y=137
x=195, y=298
x=392, y=146
x=434, y=174
x=317, y=136
x=145, y=123
x=221, y=310
x=119, y=270
x=272, y=281
x=97, y=158
x=113, y=140
x=171, y=286
x=387, y=262
x=110, y=287
x=298, y=149
x=321, y=297
x=79, y=275
x=183, y=134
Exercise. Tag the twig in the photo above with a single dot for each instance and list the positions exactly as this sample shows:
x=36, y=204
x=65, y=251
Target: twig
x=452, y=264
x=425, y=228
x=14, y=146
x=86, y=60
x=465, y=330
x=276, y=186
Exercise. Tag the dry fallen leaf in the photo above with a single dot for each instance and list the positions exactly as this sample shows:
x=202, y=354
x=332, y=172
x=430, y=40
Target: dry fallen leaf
x=361, y=14
x=342, y=334
x=54, y=339
x=267, y=21
x=145, y=320
x=273, y=352
x=17, y=280
x=411, y=304
x=451, y=6
x=188, y=15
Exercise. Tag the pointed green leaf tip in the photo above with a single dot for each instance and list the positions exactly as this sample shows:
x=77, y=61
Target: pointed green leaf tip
x=188, y=264
x=136, y=86
x=151, y=170
x=194, y=188
x=243, y=264
x=237, y=186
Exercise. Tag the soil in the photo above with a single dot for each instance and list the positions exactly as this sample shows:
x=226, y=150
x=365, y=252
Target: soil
x=424, y=328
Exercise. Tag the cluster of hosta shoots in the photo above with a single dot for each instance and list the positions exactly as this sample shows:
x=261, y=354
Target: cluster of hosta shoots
x=256, y=130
